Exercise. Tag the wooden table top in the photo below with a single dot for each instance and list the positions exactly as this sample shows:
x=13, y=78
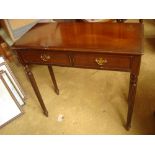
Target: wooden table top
x=126, y=38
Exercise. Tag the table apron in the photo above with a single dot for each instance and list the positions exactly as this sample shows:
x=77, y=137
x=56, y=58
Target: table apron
x=90, y=60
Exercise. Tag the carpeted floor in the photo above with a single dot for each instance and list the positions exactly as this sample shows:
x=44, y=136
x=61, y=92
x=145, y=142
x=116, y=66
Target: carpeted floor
x=91, y=101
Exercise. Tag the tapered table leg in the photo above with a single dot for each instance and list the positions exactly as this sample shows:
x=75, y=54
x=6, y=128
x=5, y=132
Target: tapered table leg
x=129, y=93
x=53, y=79
x=35, y=88
x=131, y=98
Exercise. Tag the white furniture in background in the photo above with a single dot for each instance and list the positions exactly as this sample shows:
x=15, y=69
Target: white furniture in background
x=12, y=82
x=9, y=106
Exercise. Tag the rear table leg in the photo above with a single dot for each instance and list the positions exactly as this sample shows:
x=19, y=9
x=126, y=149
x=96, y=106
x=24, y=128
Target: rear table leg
x=53, y=79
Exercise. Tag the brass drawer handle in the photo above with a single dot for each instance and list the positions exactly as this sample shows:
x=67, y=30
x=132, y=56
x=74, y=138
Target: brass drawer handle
x=44, y=57
x=101, y=61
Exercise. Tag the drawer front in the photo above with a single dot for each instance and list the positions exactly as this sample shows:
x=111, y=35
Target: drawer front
x=105, y=61
x=45, y=57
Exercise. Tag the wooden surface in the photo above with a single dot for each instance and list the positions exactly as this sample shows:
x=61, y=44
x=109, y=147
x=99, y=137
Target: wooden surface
x=104, y=37
x=108, y=46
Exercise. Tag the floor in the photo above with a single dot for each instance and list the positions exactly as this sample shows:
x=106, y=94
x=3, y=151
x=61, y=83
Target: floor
x=90, y=101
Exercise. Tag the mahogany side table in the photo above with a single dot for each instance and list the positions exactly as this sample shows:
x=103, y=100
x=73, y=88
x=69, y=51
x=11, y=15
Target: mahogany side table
x=104, y=46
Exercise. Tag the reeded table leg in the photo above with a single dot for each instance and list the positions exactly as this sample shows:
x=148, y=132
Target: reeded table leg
x=35, y=88
x=53, y=79
x=131, y=98
x=129, y=93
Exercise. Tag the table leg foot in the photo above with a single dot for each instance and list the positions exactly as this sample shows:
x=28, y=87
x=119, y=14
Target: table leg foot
x=127, y=127
x=46, y=113
x=56, y=91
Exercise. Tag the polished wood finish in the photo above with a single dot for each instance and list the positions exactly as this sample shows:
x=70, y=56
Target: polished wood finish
x=44, y=57
x=108, y=46
x=110, y=61
x=84, y=37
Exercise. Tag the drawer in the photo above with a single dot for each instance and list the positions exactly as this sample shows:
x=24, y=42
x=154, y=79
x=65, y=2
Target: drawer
x=105, y=61
x=45, y=57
